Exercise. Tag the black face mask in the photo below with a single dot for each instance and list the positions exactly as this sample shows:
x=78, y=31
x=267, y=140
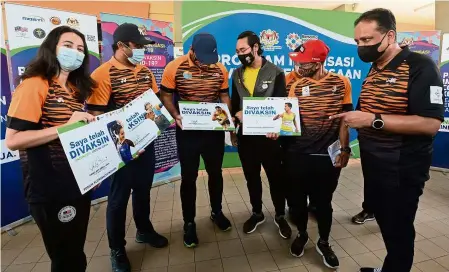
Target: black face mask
x=370, y=53
x=246, y=59
x=307, y=72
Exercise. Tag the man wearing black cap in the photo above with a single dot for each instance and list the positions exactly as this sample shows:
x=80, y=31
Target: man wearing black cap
x=120, y=80
x=198, y=77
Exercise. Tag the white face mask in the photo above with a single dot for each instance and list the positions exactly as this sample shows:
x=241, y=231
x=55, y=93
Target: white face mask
x=69, y=59
x=138, y=55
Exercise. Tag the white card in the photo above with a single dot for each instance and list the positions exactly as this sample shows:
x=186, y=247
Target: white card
x=306, y=91
x=436, y=95
x=334, y=150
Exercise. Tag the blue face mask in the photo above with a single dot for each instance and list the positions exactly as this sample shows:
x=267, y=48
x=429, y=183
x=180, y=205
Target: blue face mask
x=138, y=56
x=69, y=59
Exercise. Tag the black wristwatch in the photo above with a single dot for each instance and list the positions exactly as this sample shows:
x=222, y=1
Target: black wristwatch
x=378, y=123
x=346, y=149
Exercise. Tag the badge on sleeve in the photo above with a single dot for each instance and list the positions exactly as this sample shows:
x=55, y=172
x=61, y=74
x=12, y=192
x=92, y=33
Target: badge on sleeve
x=436, y=95
x=67, y=214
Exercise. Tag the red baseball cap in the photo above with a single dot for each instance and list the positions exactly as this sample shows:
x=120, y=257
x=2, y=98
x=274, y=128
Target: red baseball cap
x=310, y=51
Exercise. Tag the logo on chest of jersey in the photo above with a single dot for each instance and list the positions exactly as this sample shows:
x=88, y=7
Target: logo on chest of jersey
x=143, y=79
x=391, y=80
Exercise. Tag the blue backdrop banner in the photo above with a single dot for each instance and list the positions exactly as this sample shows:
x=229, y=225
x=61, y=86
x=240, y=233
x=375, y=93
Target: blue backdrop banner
x=280, y=34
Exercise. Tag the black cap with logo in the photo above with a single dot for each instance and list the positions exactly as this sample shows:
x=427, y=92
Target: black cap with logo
x=130, y=33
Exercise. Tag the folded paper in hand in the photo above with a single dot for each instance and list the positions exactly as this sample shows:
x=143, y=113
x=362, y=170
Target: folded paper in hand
x=334, y=151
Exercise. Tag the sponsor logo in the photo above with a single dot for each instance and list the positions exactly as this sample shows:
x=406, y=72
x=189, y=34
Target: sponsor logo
x=67, y=214
x=73, y=22
x=33, y=18
x=55, y=20
x=91, y=38
x=293, y=40
x=21, y=32
x=306, y=38
x=39, y=33
x=269, y=39
x=444, y=127
x=20, y=29
x=142, y=30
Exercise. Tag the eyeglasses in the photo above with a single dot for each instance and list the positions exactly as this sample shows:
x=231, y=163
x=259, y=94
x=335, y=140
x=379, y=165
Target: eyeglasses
x=242, y=51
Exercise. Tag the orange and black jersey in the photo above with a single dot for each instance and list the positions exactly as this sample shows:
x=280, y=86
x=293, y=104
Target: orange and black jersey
x=118, y=85
x=38, y=104
x=290, y=79
x=194, y=83
x=409, y=85
x=318, y=100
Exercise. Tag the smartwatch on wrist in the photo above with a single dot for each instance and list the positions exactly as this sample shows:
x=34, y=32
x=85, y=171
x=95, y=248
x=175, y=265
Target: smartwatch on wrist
x=378, y=123
x=346, y=149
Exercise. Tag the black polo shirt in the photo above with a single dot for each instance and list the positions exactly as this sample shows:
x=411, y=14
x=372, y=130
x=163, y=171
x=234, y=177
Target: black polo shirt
x=410, y=84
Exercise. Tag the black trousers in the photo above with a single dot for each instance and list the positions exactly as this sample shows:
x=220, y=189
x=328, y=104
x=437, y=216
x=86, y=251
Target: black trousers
x=63, y=234
x=255, y=152
x=210, y=146
x=314, y=177
x=368, y=197
x=397, y=196
x=137, y=176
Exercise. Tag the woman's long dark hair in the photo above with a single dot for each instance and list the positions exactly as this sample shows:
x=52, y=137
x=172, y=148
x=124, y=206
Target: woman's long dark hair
x=46, y=65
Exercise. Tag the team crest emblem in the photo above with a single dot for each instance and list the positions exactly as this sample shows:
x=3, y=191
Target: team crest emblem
x=73, y=22
x=67, y=214
x=269, y=39
x=187, y=75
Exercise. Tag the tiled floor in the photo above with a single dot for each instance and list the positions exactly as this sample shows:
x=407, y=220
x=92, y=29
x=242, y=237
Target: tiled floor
x=263, y=250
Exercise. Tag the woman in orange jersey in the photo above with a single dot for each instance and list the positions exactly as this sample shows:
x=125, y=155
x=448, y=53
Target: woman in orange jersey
x=52, y=94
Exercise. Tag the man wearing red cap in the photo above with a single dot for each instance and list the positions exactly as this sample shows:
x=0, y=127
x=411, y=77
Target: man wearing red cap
x=321, y=94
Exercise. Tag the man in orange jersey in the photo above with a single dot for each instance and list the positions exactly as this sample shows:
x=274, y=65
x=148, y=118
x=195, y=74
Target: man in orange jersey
x=120, y=80
x=199, y=77
x=290, y=79
x=310, y=168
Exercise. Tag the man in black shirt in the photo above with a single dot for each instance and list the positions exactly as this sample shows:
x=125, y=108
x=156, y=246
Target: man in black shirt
x=400, y=111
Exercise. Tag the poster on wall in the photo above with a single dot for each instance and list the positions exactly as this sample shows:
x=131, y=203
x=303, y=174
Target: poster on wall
x=28, y=26
x=157, y=56
x=281, y=30
x=423, y=42
x=440, y=157
x=14, y=206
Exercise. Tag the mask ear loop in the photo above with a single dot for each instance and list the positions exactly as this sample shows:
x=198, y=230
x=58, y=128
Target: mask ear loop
x=123, y=44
